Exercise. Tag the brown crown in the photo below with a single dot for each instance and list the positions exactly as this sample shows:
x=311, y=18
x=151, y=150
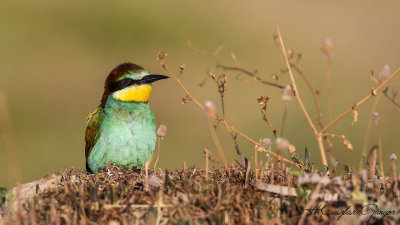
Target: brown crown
x=114, y=75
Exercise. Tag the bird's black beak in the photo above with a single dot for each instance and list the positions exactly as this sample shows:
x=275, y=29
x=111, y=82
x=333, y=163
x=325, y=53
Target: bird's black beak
x=148, y=79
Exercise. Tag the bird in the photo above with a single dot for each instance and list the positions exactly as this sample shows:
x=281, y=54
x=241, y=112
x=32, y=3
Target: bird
x=122, y=129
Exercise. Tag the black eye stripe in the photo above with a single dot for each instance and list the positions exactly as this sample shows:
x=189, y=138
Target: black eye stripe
x=121, y=84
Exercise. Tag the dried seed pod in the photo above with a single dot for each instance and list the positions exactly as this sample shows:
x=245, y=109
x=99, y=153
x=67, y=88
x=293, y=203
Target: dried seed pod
x=327, y=48
x=385, y=73
x=282, y=144
x=292, y=150
x=290, y=53
x=266, y=143
x=375, y=117
x=162, y=131
x=355, y=117
x=393, y=157
x=209, y=111
x=155, y=181
x=181, y=69
x=287, y=93
x=347, y=143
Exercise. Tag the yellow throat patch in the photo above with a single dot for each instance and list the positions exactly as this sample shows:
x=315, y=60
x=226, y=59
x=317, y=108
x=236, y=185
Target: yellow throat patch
x=135, y=93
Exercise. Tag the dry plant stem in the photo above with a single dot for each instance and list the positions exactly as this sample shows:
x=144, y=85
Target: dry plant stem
x=366, y=138
x=158, y=153
x=394, y=178
x=380, y=151
x=294, y=83
x=213, y=57
x=328, y=146
x=329, y=81
x=246, y=180
x=314, y=94
x=146, y=179
x=234, y=137
x=266, y=119
x=274, y=131
x=233, y=129
x=159, y=211
x=223, y=106
x=183, y=87
x=206, y=153
x=284, y=118
x=316, y=133
x=217, y=144
x=255, y=161
x=230, y=127
x=372, y=163
x=8, y=142
x=257, y=78
x=396, y=105
x=374, y=92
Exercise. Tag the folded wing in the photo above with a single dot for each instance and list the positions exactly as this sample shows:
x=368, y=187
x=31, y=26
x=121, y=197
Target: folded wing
x=93, y=121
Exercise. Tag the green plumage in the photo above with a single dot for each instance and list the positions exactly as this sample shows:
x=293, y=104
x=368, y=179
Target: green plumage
x=122, y=129
x=123, y=133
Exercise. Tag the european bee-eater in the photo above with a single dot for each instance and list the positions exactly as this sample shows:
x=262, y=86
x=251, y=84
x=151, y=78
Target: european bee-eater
x=122, y=129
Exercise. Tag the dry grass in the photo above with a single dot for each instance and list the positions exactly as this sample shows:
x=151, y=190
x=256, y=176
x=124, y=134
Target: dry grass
x=190, y=197
x=284, y=189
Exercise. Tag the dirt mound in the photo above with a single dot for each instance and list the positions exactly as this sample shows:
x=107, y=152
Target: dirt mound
x=232, y=195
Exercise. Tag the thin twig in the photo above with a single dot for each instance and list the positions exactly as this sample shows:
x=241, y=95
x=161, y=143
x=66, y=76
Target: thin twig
x=313, y=92
x=374, y=92
x=231, y=127
x=284, y=118
x=262, y=101
x=366, y=138
x=234, y=137
x=382, y=174
x=255, y=160
x=182, y=86
x=394, y=102
x=253, y=75
x=218, y=145
x=392, y=99
x=207, y=158
x=146, y=178
x=330, y=96
x=158, y=153
x=372, y=162
x=328, y=143
x=213, y=57
x=296, y=90
x=9, y=143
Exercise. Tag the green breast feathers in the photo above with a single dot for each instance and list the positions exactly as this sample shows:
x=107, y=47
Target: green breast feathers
x=122, y=133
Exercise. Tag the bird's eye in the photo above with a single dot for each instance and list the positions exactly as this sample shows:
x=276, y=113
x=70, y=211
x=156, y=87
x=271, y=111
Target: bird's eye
x=127, y=82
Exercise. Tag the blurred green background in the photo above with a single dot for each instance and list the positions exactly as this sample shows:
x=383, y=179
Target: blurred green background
x=54, y=57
